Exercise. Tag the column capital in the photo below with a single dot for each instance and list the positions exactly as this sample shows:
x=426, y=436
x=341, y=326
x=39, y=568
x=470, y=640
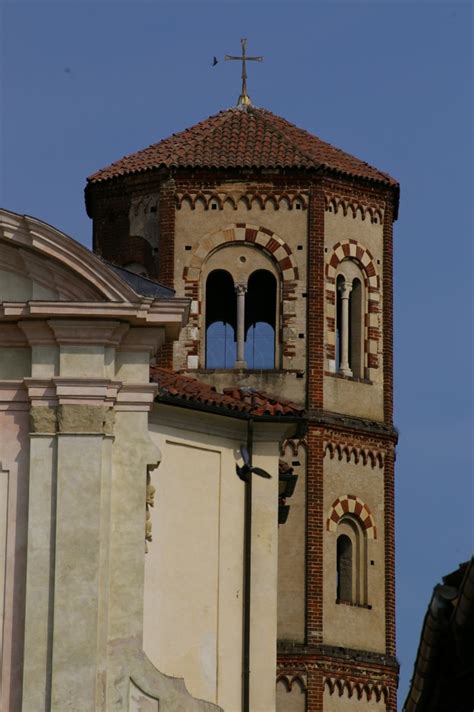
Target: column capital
x=345, y=288
x=240, y=288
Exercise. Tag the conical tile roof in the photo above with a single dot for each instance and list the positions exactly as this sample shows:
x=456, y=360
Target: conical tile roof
x=243, y=137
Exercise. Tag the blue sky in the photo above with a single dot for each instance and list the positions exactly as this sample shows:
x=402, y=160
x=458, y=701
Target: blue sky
x=82, y=84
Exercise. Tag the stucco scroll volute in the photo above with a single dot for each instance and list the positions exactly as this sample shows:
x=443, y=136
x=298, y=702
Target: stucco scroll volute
x=150, y=502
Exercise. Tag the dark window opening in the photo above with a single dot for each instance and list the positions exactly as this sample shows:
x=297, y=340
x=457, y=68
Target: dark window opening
x=344, y=569
x=355, y=329
x=260, y=320
x=221, y=314
x=339, y=284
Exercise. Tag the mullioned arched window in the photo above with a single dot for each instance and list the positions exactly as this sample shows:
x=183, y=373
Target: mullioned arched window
x=350, y=320
x=241, y=310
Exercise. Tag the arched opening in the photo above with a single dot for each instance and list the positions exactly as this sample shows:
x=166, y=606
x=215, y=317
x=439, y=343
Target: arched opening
x=344, y=569
x=339, y=285
x=349, y=325
x=356, y=329
x=221, y=314
x=351, y=562
x=260, y=320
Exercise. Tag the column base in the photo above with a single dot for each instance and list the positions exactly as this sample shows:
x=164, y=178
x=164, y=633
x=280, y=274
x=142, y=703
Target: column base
x=240, y=364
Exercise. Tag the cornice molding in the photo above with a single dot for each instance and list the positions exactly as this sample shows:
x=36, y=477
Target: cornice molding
x=253, y=198
x=36, y=239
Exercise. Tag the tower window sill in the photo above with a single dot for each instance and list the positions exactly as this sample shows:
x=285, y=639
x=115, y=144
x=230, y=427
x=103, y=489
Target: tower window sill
x=354, y=379
x=244, y=370
x=353, y=605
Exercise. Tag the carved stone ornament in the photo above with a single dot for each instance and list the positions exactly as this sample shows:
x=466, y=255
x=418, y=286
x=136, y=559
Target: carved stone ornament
x=149, y=502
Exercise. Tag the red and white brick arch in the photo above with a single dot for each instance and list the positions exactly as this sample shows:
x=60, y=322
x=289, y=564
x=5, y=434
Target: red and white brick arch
x=350, y=504
x=353, y=250
x=260, y=237
x=238, y=233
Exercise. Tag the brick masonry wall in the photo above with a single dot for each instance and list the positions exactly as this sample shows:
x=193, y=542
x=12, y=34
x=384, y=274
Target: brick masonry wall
x=314, y=535
x=388, y=312
x=389, y=513
x=167, y=233
x=315, y=318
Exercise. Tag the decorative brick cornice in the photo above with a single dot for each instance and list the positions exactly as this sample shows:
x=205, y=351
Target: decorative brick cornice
x=348, y=447
x=345, y=658
x=293, y=445
x=355, y=451
x=362, y=206
x=349, y=195
x=361, y=690
x=290, y=679
x=354, y=666
x=361, y=681
x=250, y=198
x=338, y=425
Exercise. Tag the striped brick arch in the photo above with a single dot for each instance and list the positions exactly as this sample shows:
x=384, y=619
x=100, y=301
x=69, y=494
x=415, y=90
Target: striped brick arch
x=261, y=237
x=350, y=504
x=351, y=249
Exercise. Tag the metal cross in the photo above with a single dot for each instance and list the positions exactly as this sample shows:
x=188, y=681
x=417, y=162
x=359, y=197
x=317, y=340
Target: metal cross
x=244, y=99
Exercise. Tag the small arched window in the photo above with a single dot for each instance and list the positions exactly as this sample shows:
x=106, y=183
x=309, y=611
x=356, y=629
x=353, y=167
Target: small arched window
x=260, y=320
x=221, y=315
x=351, y=562
x=344, y=569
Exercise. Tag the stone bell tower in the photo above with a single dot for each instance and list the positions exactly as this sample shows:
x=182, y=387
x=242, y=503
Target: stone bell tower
x=283, y=244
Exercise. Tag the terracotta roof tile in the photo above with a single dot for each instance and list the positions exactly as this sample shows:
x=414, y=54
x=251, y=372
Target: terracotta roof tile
x=244, y=400
x=242, y=137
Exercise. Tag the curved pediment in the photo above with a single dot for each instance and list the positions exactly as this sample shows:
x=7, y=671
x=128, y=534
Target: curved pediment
x=39, y=262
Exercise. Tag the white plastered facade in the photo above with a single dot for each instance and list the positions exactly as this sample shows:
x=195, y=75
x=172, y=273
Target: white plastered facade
x=75, y=396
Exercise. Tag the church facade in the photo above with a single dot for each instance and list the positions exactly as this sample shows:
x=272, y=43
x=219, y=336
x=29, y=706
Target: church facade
x=124, y=526
x=283, y=246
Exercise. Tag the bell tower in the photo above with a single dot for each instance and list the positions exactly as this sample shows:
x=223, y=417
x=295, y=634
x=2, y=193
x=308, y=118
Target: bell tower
x=283, y=245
